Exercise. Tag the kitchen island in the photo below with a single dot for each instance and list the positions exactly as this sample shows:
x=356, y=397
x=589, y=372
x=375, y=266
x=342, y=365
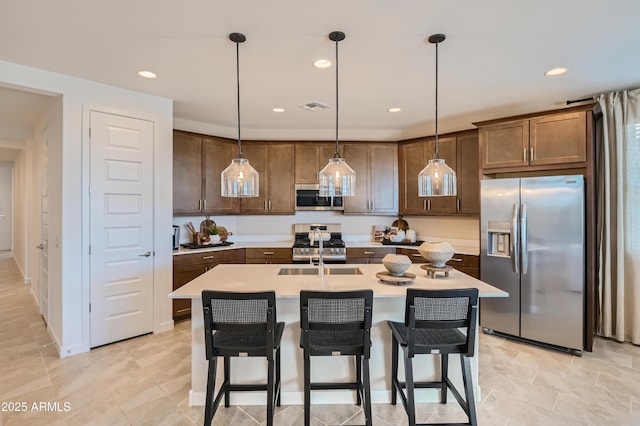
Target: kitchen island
x=389, y=304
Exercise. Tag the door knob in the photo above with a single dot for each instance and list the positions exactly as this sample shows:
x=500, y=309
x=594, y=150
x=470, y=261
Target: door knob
x=40, y=246
x=147, y=254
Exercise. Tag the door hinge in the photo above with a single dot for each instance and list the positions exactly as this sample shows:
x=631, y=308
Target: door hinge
x=89, y=249
x=89, y=131
x=89, y=307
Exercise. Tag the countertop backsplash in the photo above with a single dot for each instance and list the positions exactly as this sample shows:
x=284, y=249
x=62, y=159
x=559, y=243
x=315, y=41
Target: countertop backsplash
x=354, y=228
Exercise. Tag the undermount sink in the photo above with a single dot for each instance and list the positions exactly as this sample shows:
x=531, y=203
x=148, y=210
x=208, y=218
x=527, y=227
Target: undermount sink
x=314, y=271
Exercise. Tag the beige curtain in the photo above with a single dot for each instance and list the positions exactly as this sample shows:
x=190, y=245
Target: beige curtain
x=618, y=198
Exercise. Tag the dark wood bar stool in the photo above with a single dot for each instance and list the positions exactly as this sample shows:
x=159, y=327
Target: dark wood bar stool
x=241, y=325
x=337, y=323
x=438, y=322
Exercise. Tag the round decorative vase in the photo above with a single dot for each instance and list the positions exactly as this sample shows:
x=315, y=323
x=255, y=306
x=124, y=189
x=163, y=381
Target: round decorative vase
x=436, y=253
x=396, y=264
x=214, y=239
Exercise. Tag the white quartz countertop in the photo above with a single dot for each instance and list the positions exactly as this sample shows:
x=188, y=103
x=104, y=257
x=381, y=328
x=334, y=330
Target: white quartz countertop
x=245, y=278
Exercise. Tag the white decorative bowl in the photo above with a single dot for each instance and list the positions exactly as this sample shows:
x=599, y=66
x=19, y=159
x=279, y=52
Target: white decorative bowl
x=436, y=253
x=396, y=264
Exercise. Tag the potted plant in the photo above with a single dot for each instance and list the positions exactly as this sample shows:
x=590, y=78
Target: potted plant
x=214, y=236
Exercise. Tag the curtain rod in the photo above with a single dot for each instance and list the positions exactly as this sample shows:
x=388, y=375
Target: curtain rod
x=575, y=101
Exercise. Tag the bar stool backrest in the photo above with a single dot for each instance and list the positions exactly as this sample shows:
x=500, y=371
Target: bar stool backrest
x=442, y=310
x=337, y=311
x=238, y=312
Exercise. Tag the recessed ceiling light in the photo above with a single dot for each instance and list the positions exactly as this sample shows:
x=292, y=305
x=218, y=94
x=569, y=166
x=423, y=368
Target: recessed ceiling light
x=322, y=63
x=395, y=109
x=278, y=110
x=556, y=71
x=147, y=74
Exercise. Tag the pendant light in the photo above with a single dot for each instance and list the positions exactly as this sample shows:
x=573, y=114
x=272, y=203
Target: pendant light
x=436, y=179
x=337, y=179
x=239, y=180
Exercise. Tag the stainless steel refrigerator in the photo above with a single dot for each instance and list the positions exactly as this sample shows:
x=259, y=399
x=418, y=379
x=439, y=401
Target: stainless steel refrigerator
x=532, y=246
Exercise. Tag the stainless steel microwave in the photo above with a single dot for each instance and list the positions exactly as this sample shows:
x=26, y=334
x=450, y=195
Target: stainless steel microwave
x=308, y=198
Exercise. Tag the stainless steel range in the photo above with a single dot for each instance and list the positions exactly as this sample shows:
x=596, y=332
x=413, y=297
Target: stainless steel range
x=306, y=247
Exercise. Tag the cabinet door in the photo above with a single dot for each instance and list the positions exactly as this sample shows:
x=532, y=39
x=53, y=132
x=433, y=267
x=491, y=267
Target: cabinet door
x=187, y=174
x=412, y=254
x=412, y=160
x=505, y=145
x=357, y=157
x=558, y=138
x=257, y=154
x=182, y=274
x=468, y=174
x=311, y=157
x=217, y=155
x=447, y=152
x=383, y=178
x=280, y=193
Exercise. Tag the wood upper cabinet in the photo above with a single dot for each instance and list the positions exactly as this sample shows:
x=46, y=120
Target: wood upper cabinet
x=468, y=173
x=310, y=158
x=274, y=163
x=216, y=156
x=376, y=167
x=558, y=138
x=414, y=156
x=197, y=163
x=187, y=173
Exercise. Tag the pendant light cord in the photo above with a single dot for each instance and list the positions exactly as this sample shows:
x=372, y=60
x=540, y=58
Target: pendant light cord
x=436, y=156
x=337, y=153
x=240, y=154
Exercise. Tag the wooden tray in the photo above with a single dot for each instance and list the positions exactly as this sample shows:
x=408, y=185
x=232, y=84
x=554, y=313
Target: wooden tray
x=386, y=277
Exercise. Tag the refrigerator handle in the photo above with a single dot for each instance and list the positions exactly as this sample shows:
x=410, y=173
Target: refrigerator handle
x=524, y=249
x=515, y=243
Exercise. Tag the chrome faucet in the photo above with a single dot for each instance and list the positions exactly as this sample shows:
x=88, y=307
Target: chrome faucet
x=317, y=231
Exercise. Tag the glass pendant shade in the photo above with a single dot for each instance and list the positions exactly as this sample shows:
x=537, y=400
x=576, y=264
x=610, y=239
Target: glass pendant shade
x=337, y=179
x=240, y=179
x=436, y=179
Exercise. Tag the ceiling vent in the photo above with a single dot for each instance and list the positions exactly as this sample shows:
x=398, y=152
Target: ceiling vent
x=314, y=106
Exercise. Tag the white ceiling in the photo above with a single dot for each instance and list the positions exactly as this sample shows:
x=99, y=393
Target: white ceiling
x=491, y=64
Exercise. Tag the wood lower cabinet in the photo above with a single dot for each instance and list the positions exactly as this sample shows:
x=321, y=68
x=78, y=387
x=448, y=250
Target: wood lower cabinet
x=268, y=255
x=460, y=152
x=368, y=255
x=466, y=263
x=186, y=267
x=274, y=163
x=376, y=167
x=535, y=142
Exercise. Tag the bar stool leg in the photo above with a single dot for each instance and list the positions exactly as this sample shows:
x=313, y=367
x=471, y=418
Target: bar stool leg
x=468, y=389
x=358, y=379
x=307, y=390
x=278, y=369
x=270, y=388
x=411, y=406
x=211, y=385
x=444, y=373
x=367, y=392
x=394, y=371
x=227, y=380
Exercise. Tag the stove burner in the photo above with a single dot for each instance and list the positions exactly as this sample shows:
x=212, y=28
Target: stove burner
x=302, y=240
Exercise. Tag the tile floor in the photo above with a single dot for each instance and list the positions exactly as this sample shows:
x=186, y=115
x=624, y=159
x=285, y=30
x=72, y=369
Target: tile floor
x=145, y=381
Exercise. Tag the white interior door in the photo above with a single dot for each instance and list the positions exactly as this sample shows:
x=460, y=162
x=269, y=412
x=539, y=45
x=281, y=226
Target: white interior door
x=6, y=208
x=44, y=228
x=121, y=215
